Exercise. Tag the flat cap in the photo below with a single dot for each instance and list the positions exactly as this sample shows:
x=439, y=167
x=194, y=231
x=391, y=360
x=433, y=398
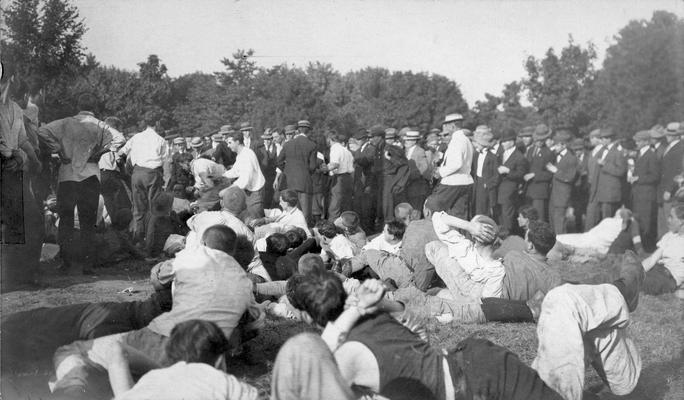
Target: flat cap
x=508, y=135
x=526, y=131
x=377, y=130
x=303, y=124
x=246, y=126
x=179, y=140
x=607, y=132
x=290, y=129
x=435, y=131
x=577, y=144
x=226, y=130
x=452, y=117
x=541, y=132
x=642, y=135
x=390, y=133
x=595, y=133
x=217, y=137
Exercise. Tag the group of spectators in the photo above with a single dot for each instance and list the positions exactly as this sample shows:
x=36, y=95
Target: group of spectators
x=354, y=235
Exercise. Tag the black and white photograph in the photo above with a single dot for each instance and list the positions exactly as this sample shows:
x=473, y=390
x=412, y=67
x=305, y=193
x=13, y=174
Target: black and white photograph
x=342, y=199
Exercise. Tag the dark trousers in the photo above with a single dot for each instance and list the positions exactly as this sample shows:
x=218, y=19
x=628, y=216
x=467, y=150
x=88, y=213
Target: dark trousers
x=305, y=205
x=645, y=211
x=455, y=200
x=557, y=216
x=255, y=203
x=659, y=280
x=593, y=215
x=479, y=366
x=542, y=207
x=340, y=195
x=482, y=204
x=364, y=204
x=12, y=206
x=507, y=216
x=608, y=209
x=84, y=195
x=416, y=193
x=146, y=183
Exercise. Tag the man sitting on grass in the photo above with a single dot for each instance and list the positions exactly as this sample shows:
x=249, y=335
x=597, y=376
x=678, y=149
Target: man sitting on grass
x=390, y=238
x=208, y=284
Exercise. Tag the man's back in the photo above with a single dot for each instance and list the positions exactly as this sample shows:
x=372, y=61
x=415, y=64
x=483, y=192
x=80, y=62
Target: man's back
x=526, y=274
x=297, y=159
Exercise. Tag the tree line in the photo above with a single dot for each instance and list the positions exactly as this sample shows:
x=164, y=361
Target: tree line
x=639, y=84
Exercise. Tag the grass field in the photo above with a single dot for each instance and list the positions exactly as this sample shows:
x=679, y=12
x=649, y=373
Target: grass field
x=657, y=327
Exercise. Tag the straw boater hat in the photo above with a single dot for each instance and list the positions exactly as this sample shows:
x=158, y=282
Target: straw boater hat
x=412, y=135
x=642, y=135
x=303, y=124
x=196, y=142
x=562, y=136
x=179, y=140
x=390, y=133
x=452, y=118
x=246, y=126
x=673, y=129
x=217, y=137
x=290, y=129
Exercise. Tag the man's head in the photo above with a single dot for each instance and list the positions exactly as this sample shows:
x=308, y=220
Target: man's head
x=325, y=231
x=485, y=220
x=296, y=236
x=233, y=200
x=197, y=341
x=235, y=141
x=277, y=243
x=377, y=134
x=607, y=136
x=642, y=139
x=320, y=295
x=540, y=237
x=246, y=129
x=87, y=102
x=673, y=131
x=402, y=211
x=394, y=231
x=525, y=135
x=288, y=199
x=219, y=237
x=290, y=131
x=411, y=139
x=452, y=122
x=278, y=138
x=310, y=264
x=527, y=214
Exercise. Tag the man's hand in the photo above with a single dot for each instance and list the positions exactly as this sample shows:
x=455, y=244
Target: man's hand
x=551, y=168
x=481, y=232
x=528, y=176
x=503, y=170
x=369, y=294
x=667, y=196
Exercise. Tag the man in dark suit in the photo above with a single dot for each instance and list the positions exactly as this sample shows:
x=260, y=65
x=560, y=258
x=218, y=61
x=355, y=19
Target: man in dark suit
x=658, y=141
x=364, y=198
x=417, y=186
x=525, y=143
x=511, y=171
x=249, y=140
x=593, y=170
x=671, y=167
x=539, y=178
x=644, y=180
x=612, y=172
x=564, y=175
x=219, y=151
x=579, y=198
x=485, y=173
x=297, y=160
x=267, y=156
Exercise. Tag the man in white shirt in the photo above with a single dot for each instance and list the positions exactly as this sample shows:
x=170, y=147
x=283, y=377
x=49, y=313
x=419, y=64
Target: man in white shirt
x=147, y=152
x=390, y=239
x=247, y=174
x=456, y=183
x=340, y=168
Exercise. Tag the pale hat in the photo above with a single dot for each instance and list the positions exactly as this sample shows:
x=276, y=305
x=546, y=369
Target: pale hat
x=452, y=118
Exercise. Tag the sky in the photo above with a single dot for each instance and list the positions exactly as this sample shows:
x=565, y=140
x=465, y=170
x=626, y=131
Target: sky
x=479, y=44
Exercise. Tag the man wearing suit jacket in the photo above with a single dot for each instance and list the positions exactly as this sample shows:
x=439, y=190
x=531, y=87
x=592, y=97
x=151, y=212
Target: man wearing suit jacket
x=580, y=192
x=268, y=157
x=671, y=167
x=564, y=174
x=364, y=200
x=511, y=171
x=658, y=141
x=539, y=178
x=484, y=170
x=644, y=180
x=525, y=143
x=297, y=160
x=593, y=170
x=612, y=172
x=419, y=171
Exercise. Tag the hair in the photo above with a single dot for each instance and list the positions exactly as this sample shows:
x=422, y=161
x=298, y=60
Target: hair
x=292, y=283
x=86, y=102
x=542, y=236
x=529, y=212
x=321, y=295
x=277, y=243
x=679, y=211
x=327, y=229
x=220, y=237
x=483, y=219
x=295, y=237
x=236, y=136
x=338, y=137
x=244, y=251
x=396, y=228
x=114, y=122
x=290, y=197
x=196, y=341
x=433, y=204
x=310, y=263
x=402, y=210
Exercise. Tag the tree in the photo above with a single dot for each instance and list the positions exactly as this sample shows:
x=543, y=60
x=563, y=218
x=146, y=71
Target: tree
x=558, y=85
x=642, y=81
x=43, y=40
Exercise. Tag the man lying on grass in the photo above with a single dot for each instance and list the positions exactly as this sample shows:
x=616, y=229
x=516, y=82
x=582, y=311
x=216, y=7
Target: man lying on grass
x=373, y=349
x=208, y=284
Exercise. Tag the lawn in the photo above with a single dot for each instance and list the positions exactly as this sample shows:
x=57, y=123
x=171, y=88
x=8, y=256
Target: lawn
x=657, y=327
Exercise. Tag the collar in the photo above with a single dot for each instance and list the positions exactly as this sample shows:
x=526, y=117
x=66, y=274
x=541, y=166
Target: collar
x=563, y=152
x=643, y=150
x=86, y=113
x=507, y=153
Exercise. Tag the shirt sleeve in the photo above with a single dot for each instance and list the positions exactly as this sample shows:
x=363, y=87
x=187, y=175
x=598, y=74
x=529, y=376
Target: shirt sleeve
x=238, y=390
x=49, y=136
x=239, y=171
